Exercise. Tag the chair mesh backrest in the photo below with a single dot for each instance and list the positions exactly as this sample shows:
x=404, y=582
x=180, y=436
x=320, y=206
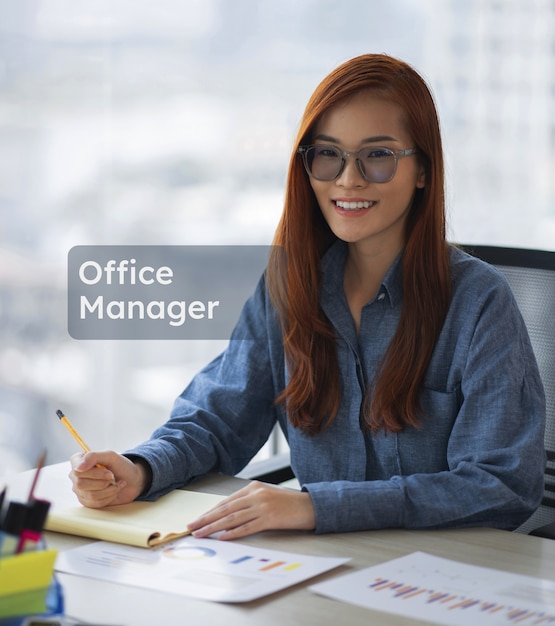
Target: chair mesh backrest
x=531, y=275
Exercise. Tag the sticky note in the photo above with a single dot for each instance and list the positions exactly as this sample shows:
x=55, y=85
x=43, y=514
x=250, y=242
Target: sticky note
x=24, y=582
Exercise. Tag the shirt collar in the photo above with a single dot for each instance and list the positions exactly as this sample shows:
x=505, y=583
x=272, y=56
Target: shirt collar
x=333, y=266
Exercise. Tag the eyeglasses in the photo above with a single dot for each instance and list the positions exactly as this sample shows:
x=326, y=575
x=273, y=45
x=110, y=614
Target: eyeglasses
x=375, y=164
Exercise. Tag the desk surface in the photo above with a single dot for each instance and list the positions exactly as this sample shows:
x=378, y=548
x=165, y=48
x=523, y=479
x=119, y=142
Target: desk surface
x=104, y=603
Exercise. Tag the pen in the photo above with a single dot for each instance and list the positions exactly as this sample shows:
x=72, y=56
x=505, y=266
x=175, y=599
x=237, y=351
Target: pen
x=2, y=497
x=40, y=464
x=77, y=437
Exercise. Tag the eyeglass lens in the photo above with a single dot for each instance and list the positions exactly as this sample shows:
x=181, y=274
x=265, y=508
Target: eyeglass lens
x=326, y=162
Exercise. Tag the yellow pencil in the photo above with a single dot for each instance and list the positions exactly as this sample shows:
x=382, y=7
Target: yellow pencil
x=72, y=430
x=76, y=435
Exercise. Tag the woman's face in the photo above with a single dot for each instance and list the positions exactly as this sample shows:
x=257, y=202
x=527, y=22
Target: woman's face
x=363, y=213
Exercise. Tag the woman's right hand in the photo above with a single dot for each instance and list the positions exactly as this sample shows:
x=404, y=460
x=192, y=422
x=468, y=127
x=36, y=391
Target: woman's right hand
x=119, y=481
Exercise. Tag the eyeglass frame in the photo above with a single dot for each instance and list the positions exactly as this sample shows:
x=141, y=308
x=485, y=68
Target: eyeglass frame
x=397, y=154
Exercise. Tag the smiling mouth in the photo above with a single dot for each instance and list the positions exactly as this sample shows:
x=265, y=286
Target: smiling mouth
x=353, y=206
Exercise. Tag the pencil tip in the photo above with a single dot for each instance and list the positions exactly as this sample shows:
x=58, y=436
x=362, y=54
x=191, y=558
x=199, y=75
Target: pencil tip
x=59, y=414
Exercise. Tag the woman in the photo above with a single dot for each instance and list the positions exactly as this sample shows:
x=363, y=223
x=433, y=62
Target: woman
x=398, y=367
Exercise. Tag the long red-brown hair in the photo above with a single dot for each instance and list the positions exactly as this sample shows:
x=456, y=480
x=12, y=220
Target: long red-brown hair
x=313, y=394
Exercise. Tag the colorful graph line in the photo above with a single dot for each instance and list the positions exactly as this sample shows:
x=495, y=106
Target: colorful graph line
x=187, y=553
x=267, y=565
x=456, y=602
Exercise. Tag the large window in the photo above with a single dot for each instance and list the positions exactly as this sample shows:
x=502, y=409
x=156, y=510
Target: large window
x=171, y=122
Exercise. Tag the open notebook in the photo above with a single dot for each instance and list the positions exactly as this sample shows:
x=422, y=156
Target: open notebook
x=143, y=524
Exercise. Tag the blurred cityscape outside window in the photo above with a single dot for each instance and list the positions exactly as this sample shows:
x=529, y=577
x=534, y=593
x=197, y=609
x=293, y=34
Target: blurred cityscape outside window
x=171, y=122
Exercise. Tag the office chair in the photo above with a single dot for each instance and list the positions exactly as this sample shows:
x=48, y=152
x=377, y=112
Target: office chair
x=275, y=470
x=531, y=275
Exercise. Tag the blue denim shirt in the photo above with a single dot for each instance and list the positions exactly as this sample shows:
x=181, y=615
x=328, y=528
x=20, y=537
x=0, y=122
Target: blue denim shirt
x=477, y=459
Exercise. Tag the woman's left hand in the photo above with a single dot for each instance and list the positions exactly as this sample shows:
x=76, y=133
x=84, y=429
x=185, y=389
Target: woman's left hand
x=257, y=507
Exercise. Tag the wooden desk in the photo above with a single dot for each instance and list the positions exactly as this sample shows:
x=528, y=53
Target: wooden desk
x=104, y=603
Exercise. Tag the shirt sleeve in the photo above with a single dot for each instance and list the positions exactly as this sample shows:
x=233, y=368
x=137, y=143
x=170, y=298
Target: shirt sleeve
x=227, y=412
x=494, y=457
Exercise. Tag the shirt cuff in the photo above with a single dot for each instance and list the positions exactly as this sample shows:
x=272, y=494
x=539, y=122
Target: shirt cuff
x=344, y=506
x=139, y=460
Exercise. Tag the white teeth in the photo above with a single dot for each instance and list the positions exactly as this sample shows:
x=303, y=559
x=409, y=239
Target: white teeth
x=353, y=206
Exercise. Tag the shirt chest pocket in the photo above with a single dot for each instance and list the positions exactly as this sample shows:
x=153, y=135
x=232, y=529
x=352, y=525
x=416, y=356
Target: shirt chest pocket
x=424, y=449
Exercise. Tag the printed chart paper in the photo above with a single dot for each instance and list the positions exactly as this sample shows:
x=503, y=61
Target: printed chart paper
x=206, y=569
x=441, y=591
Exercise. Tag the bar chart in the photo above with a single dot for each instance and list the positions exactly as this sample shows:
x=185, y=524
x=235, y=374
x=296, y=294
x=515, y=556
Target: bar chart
x=510, y=612
x=446, y=592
